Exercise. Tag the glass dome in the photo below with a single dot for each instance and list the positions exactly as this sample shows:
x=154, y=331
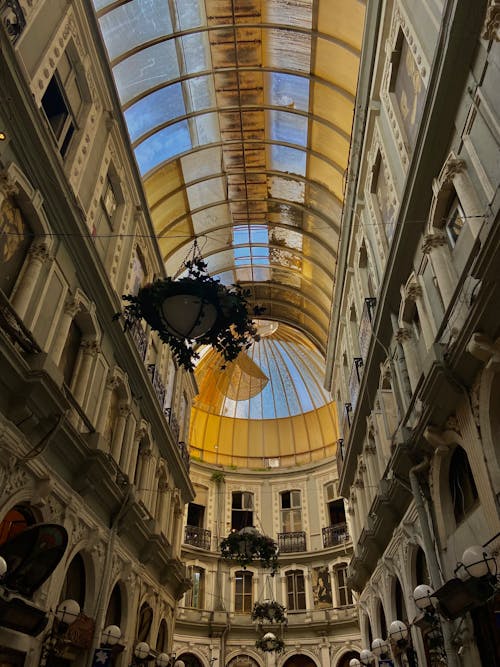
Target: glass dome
x=268, y=408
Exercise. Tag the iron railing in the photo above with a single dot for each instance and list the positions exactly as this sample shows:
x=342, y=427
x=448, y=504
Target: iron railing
x=140, y=339
x=334, y=535
x=292, y=542
x=157, y=383
x=198, y=537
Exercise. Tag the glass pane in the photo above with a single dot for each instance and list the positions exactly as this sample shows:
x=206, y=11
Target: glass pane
x=145, y=69
x=163, y=145
x=134, y=23
x=159, y=107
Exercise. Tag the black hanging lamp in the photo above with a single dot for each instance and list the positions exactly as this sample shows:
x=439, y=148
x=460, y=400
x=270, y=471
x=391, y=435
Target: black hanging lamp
x=193, y=310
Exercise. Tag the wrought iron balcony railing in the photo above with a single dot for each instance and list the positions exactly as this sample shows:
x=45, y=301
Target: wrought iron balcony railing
x=292, y=542
x=334, y=535
x=140, y=339
x=157, y=383
x=354, y=380
x=198, y=537
x=365, y=326
x=172, y=421
x=184, y=450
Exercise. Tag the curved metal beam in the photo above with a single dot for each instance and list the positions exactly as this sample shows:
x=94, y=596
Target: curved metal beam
x=242, y=68
x=223, y=202
x=243, y=172
x=176, y=34
x=244, y=107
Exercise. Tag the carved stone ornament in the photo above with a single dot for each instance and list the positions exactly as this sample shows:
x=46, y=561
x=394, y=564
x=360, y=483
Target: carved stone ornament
x=402, y=335
x=491, y=27
x=8, y=187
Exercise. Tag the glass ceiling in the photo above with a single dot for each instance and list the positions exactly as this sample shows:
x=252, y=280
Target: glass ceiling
x=240, y=113
x=267, y=408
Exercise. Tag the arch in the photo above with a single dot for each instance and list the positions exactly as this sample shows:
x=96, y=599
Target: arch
x=20, y=516
x=75, y=584
x=461, y=484
x=161, y=643
x=344, y=656
x=301, y=659
x=248, y=659
x=489, y=418
x=144, y=622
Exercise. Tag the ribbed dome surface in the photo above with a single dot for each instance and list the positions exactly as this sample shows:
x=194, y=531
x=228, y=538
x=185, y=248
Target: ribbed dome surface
x=268, y=404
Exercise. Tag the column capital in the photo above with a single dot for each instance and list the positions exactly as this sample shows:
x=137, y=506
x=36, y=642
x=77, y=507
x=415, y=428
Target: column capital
x=402, y=335
x=39, y=250
x=432, y=241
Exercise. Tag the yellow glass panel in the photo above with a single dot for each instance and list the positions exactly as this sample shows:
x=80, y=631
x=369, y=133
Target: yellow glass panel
x=329, y=143
x=343, y=19
x=345, y=72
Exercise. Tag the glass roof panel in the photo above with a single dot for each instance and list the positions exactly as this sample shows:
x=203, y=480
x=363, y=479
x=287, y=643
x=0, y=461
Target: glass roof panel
x=145, y=69
x=288, y=127
x=284, y=158
x=163, y=145
x=288, y=90
x=133, y=23
x=163, y=105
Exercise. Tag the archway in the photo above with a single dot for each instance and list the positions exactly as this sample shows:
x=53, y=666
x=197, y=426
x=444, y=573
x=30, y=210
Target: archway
x=346, y=658
x=190, y=660
x=299, y=660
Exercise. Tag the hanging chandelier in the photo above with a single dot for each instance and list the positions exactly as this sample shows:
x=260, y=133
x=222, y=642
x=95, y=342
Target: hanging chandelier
x=193, y=310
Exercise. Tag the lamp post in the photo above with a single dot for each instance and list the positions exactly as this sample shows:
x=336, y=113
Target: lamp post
x=429, y=622
x=354, y=662
x=366, y=657
x=66, y=612
x=399, y=636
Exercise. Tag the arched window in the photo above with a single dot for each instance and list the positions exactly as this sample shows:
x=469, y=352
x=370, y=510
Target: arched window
x=462, y=486
x=15, y=239
x=114, y=611
x=15, y=521
x=243, y=593
x=401, y=613
x=421, y=570
x=75, y=582
x=145, y=621
x=296, y=590
x=382, y=621
x=162, y=638
x=70, y=352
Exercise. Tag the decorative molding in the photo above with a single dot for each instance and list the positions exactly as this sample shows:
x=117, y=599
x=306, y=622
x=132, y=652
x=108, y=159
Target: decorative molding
x=434, y=240
x=491, y=26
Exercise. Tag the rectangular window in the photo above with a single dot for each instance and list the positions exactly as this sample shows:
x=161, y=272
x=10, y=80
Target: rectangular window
x=296, y=590
x=241, y=510
x=62, y=102
x=243, y=597
x=344, y=592
x=291, y=511
x=195, y=596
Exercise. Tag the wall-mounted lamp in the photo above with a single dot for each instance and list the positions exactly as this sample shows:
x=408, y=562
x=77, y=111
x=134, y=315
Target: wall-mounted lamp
x=354, y=662
x=381, y=649
x=66, y=613
x=400, y=637
x=3, y=136
x=3, y=567
x=424, y=597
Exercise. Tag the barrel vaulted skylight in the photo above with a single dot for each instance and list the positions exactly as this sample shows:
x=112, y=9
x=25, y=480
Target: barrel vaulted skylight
x=239, y=113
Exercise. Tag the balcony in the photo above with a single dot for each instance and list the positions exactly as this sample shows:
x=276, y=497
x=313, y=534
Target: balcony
x=354, y=381
x=157, y=383
x=172, y=421
x=289, y=543
x=346, y=421
x=198, y=537
x=184, y=450
x=365, y=326
x=140, y=339
x=340, y=455
x=335, y=535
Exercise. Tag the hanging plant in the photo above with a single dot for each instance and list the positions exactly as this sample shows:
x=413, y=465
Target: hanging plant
x=270, y=643
x=195, y=310
x=270, y=611
x=248, y=545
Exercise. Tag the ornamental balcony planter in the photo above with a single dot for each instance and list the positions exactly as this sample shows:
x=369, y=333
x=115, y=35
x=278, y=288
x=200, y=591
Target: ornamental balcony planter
x=249, y=546
x=269, y=643
x=195, y=310
x=269, y=611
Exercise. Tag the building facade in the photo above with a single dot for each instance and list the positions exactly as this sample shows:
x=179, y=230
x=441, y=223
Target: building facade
x=415, y=327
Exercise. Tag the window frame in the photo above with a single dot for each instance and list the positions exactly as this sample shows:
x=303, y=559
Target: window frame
x=243, y=601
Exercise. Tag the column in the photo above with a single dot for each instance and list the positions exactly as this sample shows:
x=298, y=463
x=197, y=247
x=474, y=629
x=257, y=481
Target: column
x=163, y=506
x=436, y=246
x=154, y=481
x=128, y=444
x=144, y=457
x=38, y=254
x=404, y=337
x=135, y=458
x=118, y=432
x=88, y=352
x=111, y=384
